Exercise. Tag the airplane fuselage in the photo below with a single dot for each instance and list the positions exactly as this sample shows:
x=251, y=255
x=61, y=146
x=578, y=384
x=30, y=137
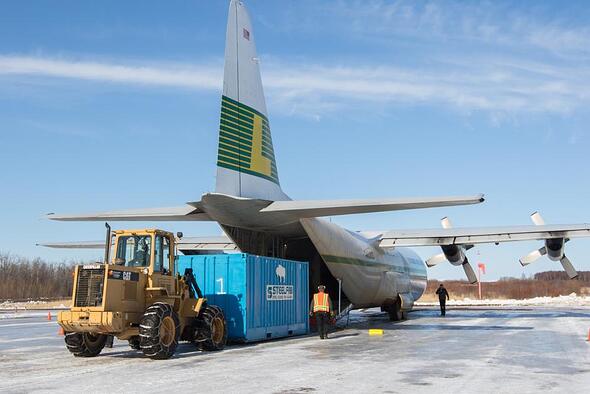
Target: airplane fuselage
x=370, y=275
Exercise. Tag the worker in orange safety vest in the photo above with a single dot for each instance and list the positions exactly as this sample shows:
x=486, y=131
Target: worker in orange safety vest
x=321, y=307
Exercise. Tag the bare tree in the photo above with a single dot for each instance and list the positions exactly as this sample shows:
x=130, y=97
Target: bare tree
x=543, y=284
x=23, y=278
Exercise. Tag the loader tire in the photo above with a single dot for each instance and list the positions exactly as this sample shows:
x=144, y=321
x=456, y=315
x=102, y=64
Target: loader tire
x=211, y=333
x=159, y=331
x=134, y=343
x=85, y=344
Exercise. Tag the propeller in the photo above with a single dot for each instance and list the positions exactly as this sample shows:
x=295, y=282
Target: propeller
x=553, y=249
x=439, y=258
x=436, y=259
x=537, y=218
x=455, y=254
x=446, y=223
x=533, y=256
x=568, y=267
x=471, y=277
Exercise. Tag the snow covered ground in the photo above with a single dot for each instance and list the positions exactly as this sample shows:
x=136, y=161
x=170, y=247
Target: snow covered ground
x=505, y=350
x=31, y=305
x=569, y=300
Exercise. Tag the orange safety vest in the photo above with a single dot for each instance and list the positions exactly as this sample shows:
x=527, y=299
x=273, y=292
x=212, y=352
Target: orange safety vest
x=321, y=302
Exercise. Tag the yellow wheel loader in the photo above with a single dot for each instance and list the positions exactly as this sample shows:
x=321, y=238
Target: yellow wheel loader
x=136, y=295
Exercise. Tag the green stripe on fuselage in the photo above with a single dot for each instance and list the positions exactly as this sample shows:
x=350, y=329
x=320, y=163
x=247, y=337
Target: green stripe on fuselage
x=370, y=263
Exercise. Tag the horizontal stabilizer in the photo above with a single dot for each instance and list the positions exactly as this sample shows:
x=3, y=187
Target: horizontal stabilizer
x=183, y=213
x=74, y=245
x=318, y=208
x=187, y=245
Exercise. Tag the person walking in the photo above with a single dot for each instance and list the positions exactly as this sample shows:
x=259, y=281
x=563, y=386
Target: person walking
x=443, y=296
x=321, y=307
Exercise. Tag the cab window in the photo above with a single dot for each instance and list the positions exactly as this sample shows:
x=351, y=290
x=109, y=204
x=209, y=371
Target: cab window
x=162, y=263
x=134, y=251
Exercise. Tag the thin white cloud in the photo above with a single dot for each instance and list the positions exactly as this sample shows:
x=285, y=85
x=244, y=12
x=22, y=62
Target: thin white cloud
x=489, y=85
x=178, y=76
x=495, y=23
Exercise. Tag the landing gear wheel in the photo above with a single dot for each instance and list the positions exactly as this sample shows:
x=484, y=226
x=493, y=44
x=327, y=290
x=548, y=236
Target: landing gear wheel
x=134, y=343
x=395, y=311
x=159, y=331
x=211, y=333
x=85, y=344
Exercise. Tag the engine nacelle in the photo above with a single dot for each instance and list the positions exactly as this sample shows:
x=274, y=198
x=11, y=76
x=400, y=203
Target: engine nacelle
x=555, y=248
x=454, y=254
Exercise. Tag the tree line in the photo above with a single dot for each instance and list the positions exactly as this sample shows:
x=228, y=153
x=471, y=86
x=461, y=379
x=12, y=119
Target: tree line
x=542, y=284
x=583, y=276
x=33, y=279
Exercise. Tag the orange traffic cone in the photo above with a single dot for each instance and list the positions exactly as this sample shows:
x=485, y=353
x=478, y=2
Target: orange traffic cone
x=588, y=335
x=48, y=315
x=61, y=331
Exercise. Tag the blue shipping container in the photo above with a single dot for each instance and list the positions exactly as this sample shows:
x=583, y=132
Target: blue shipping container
x=261, y=297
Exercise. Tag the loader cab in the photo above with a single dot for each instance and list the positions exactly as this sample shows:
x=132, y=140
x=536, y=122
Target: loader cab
x=133, y=250
x=150, y=251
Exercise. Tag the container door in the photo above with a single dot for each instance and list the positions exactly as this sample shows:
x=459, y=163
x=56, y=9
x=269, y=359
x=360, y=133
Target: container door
x=278, y=291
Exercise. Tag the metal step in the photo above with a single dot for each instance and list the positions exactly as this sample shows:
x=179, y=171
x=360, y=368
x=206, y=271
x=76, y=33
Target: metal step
x=345, y=313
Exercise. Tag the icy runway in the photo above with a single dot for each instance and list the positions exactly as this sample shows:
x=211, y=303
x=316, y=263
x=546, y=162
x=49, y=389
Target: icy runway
x=525, y=350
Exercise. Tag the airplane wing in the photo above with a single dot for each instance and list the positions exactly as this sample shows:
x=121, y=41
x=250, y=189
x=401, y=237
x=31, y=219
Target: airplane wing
x=183, y=213
x=187, y=245
x=74, y=245
x=470, y=236
x=454, y=242
x=297, y=209
x=318, y=208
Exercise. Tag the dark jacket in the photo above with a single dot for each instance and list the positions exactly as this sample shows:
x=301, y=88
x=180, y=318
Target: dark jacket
x=443, y=294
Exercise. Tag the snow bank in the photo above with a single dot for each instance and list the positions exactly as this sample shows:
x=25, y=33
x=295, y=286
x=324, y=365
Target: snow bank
x=569, y=300
x=31, y=305
x=21, y=314
x=20, y=305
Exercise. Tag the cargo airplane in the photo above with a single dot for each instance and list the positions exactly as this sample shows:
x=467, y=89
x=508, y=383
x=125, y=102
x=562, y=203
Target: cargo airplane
x=374, y=269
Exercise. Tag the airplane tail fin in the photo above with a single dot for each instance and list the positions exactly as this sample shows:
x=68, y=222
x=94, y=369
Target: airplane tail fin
x=246, y=165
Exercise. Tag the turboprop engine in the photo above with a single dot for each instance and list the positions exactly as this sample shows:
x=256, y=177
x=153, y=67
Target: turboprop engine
x=454, y=254
x=554, y=249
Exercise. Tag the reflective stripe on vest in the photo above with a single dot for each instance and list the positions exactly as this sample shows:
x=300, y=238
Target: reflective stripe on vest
x=321, y=302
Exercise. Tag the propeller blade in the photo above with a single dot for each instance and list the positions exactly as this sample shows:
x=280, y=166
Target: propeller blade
x=436, y=259
x=533, y=256
x=537, y=219
x=471, y=277
x=446, y=222
x=568, y=267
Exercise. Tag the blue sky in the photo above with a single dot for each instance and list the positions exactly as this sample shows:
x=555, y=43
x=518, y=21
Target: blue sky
x=366, y=99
